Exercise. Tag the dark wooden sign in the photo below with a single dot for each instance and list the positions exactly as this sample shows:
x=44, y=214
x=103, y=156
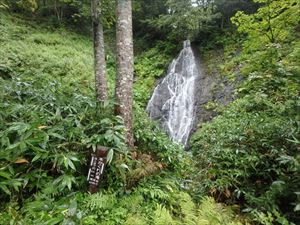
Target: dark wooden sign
x=96, y=168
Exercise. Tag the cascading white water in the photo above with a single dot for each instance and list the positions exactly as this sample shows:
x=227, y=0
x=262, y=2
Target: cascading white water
x=173, y=99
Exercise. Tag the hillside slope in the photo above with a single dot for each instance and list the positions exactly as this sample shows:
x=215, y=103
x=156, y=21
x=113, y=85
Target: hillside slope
x=49, y=122
x=29, y=50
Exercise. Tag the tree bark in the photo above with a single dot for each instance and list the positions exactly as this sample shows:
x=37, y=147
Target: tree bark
x=99, y=52
x=124, y=80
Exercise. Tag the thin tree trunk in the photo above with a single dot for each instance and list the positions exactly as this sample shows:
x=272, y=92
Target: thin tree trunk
x=222, y=22
x=56, y=10
x=99, y=52
x=124, y=66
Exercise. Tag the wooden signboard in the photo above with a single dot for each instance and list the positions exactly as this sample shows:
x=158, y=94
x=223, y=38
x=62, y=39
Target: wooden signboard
x=96, y=168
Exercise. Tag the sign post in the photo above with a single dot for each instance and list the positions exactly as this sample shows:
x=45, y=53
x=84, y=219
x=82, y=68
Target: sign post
x=96, y=168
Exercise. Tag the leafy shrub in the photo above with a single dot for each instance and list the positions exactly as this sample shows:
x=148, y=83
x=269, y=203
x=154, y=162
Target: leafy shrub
x=43, y=209
x=49, y=119
x=211, y=212
x=49, y=123
x=156, y=200
x=152, y=140
x=249, y=154
x=48, y=136
x=149, y=66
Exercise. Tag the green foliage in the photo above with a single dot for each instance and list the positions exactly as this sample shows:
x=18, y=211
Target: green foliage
x=249, y=154
x=228, y=8
x=100, y=201
x=211, y=212
x=185, y=19
x=31, y=52
x=162, y=216
x=149, y=137
x=45, y=134
x=30, y=5
x=70, y=13
x=49, y=118
x=43, y=209
x=135, y=219
x=49, y=123
x=149, y=66
x=152, y=140
x=155, y=201
x=3, y=5
x=105, y=208
x=272, y=23
x=243, y=154
x=144, y=10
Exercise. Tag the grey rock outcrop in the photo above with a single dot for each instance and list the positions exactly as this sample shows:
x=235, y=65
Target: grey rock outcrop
x=180, y=98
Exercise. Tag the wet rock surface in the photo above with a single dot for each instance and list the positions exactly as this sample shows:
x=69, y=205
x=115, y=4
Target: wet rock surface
x=180, y=99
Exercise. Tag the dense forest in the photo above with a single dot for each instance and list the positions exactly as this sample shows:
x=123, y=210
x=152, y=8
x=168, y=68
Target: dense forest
x=87, y=131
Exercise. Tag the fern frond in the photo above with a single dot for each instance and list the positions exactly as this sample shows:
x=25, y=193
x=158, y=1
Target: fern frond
x=163, y=217
x=100, y=201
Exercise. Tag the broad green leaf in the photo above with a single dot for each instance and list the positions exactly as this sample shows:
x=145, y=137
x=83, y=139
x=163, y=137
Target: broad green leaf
x=5, y=175
x=57, y=136
x=110, y=156
x=70, y=163
x=36, y=157
x=5, y=189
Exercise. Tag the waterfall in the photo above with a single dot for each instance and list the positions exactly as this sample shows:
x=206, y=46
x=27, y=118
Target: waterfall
x=173, y=99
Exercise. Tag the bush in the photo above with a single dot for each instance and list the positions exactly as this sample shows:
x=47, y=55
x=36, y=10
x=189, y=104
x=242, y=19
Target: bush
x=149, y=66
x=49, y=119
x=250, y=154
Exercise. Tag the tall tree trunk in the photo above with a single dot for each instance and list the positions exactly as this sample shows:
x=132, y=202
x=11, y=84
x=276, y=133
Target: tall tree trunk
x=124, y=66
x=99, y=52
x=56, y=9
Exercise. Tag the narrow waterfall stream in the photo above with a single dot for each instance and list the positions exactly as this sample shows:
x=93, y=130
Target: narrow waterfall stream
x=173, y=100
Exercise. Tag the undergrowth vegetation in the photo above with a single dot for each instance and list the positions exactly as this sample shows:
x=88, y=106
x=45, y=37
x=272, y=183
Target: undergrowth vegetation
x=50, y=122
x=150, y=66
x=154, y=201
x=250, y=153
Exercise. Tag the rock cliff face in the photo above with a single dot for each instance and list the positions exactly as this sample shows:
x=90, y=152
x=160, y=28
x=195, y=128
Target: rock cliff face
x=210, y=87
x=180, y=98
